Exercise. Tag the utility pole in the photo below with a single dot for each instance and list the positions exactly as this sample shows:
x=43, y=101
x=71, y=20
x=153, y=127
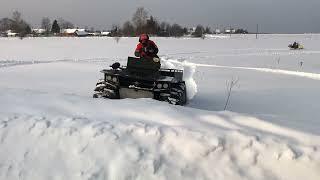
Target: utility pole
x=257, y=31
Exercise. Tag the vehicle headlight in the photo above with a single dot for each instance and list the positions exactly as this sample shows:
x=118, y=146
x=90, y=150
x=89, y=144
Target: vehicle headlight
x=155, y=59
x=159, y=86
x=114, y=79
x=109, y=78
x=165, y=85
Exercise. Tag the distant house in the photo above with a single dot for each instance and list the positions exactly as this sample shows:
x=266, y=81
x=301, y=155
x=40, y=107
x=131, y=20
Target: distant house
x=72, y=32
x=217, y=31
x=11, y=34
x=105, y=33
x=97, y=33
x=81, y=33
x=38, y=31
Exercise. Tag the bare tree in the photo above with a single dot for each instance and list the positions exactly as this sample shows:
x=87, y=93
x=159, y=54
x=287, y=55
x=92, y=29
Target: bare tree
x=128, y=29
x=17, y=22
x=65, y=24
x=140, y=19
x=46, y=24
x=301, y=63
x=230, y=84
x=116, y=32
x=176, y=30
x=5, y=24
x=164, y=29
x=19, y=25
x=151, y=25
x=278, y=60
x=16, y=16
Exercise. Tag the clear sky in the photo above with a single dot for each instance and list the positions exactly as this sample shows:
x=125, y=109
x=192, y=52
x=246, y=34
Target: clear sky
x=273, y=16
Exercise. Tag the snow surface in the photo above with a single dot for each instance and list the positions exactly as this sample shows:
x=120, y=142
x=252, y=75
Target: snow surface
x=52, y=128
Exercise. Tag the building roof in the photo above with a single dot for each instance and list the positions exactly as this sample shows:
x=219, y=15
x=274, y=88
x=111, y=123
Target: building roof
x=81, y=33
x=105, y=33
x=72, y=31
x=39, y=31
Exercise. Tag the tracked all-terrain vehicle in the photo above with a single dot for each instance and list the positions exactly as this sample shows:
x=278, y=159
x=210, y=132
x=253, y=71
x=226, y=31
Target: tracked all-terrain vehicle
x=295, y=46
x=142, y=78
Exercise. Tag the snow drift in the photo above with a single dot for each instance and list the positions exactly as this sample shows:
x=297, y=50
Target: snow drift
x=144, y=139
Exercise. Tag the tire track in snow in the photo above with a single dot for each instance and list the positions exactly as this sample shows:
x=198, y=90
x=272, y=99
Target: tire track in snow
x=270, y=53
x=251, y=52
x=313, y=76
x=10, y=63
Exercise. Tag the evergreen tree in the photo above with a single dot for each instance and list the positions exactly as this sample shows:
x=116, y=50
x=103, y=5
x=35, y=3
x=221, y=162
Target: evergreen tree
x=208, y=30
x=28, y=29
x=55, y=27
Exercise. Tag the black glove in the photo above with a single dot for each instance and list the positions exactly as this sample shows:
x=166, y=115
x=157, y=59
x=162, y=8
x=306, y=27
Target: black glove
x=145, y=49
x=150, y=50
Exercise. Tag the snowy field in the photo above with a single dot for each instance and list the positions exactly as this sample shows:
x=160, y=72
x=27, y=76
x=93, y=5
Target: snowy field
x=52, y=128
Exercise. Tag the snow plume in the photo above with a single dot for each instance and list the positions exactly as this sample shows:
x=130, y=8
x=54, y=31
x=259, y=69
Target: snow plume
x=188, y=71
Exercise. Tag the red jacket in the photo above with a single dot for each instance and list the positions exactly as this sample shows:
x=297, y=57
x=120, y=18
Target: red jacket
x=148, y=49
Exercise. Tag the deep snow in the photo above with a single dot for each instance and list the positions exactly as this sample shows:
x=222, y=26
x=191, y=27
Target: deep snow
x=51, y=128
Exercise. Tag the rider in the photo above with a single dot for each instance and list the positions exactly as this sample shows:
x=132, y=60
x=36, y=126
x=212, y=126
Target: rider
x=146, y=48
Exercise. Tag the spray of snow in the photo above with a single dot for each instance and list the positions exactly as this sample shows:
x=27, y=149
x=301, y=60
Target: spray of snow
x=188, y=71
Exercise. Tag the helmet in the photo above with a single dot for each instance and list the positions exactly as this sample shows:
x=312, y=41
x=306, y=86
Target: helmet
x=143, y=37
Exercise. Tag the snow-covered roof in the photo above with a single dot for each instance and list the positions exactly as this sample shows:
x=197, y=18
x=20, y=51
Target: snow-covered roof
x=71, y=31
x=105, y=33
x=39, y=31
x=94, y=33
x=81, y=33
x=10, y=33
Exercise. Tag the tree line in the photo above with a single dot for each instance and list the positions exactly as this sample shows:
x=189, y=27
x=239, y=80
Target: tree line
x=56, y=26
x=141, y=22
x=18, y=25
